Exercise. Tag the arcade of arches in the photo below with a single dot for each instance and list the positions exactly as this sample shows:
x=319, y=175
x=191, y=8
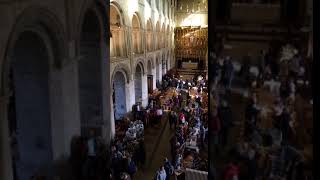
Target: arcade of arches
x=59, y=80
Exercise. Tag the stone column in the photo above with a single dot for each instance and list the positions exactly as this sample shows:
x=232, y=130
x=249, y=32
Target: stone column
x=130, y=95
x=70, y=93
x=112, y=123
x=106, y=92
x=154, y=78
x=160, y=71
x=145, y=90
x=6, y=172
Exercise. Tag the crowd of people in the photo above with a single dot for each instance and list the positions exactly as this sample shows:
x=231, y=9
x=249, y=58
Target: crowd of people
x=265, y=152
x=186, y=106
x=189, y=120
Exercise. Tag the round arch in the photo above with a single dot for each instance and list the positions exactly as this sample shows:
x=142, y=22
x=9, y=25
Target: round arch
x=138, y=82
x=141, y=63
x=122, y=68
x=90, y=73
x=119, y=10
x=138, y=21
x=43, y=20
x=99, y=8
x=136, y=33
x=151, y=59
x=36, y=46
x=119, y=94
x=118, y=45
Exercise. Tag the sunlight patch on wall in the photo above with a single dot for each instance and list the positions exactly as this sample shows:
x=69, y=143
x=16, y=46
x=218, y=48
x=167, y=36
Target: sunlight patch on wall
x=133, y=6
x=147, y=12
x=194, y=20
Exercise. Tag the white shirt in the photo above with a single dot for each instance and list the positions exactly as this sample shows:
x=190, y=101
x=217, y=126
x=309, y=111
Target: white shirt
x=162, y=175
x=91, y=148
x=159, y=112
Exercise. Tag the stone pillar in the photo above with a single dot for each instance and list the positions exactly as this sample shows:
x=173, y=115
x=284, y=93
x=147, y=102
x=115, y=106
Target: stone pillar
x=154, y=79
x=106, y=93
x=160, y=72
x=57, y=110
x=6, y=172
x=70, y=90
x=112, y=123
x=130, y=95
x=145, y=90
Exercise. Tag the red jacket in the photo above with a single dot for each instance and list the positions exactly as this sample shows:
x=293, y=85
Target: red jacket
x=233, y=170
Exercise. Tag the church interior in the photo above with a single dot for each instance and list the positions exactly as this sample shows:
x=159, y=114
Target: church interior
x=156, y=89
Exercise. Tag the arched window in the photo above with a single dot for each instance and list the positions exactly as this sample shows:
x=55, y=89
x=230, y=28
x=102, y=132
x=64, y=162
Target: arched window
x=117, y=39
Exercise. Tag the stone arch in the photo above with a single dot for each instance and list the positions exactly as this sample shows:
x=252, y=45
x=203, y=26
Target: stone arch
x=119, y=94
x=44, y=20
x=138, y=18
x=136, y=33
x=138, y=80
x=124, y=69
x=140, y=62
x=163, y=27
x=99, y=8
x=119, y=10
x=149, y=67
x=118, y=45
x=91, y=48
x=149, y=35
x=151, y=59
x=35, y=48
x=158, y=35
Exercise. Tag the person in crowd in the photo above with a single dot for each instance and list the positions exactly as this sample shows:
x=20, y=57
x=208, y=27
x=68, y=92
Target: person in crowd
x=251, y=116
x=215, y=127
x=125, y=176
x=159, y=114
x=232, y=171
x=294, y=66
x=227, y=73
x=161, y=174
x=132, y=168
x=168, y=168
x=92, y=147
x=225, y=116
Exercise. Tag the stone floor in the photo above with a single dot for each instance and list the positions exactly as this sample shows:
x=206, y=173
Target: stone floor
x=157, y=148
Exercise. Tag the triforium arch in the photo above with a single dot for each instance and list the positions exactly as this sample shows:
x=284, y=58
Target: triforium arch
x=92, y=68
x=162, y=40
x=151, y=74
x=118, y=45
x=138, y=81
x=149, y=35
x=158, y=35
x=35, y=47
x=150, y=59
x=136, y=34
x=167, y=42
